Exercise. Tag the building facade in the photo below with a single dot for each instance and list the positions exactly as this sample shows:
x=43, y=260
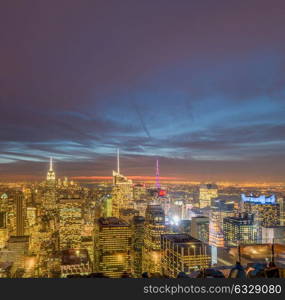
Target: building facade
x=70, y=223
x=154, y=228
x=112, y=247
x=207, y=192
x=183, y=253
x=240, y=230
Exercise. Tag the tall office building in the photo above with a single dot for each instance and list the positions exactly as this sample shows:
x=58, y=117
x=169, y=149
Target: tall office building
x=20, y=213
x=137, y=244
x=154, y=228
x=200, y=228
x=70, y=223
x=122, y=191
x=51, y=173
x=4, y=208
x=207, y=192
x=49, y=197
x=220, y=209
x=240, y=230
x=266, y=210
x=3, y=220
x=112, y=247
x=183, y=253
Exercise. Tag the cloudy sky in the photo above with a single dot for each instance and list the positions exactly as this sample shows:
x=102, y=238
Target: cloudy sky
x=197, y=84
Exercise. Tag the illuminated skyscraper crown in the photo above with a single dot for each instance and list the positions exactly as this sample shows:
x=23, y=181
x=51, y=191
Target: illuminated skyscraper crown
x=50, y=173
x=262, y=199
x=118, y=178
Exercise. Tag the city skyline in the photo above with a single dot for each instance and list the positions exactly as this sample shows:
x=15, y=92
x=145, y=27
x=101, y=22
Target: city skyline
x=199, y=86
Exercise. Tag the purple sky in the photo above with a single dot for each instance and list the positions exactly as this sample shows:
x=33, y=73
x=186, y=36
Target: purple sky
x=197, y=84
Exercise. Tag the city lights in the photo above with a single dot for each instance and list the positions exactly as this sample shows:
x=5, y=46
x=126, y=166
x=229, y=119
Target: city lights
x=58, y=228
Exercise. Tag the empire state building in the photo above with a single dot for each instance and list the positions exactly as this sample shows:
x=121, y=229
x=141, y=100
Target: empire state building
x=50, y=173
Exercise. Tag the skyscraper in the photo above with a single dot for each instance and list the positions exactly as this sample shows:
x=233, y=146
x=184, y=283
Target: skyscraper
x=122, y=192
x=3, y=219
x=51, y=173
x=20, y=213
x=70, y=223
x=112, y=247
x=240, y=230
x=154, y=228
x=183, y=253
x=207, y=192
x=137, y=244
x=266, y=210
x=49, y=199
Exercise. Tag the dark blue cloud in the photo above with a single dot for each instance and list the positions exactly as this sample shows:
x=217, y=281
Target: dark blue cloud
x=199, y=84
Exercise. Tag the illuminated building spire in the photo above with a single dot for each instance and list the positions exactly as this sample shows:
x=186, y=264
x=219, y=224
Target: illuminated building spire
x=118, y=161
x=50, y=164
x=51, y=174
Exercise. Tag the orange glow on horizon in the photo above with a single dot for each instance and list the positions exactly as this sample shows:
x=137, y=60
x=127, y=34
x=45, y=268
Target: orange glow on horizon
x=130, y=177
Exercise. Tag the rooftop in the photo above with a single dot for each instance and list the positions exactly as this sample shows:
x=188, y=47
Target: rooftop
x=74, y=257
x=181, y=238
x=112, y=221
x=19, y=239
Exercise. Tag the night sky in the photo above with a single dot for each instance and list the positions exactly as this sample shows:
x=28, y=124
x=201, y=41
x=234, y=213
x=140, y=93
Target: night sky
x=198, y=84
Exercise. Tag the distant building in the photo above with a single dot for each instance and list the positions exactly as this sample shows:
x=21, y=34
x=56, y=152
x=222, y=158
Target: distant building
x=51, y=174
x=107, y=206
x=49, y=197
x=183, y=253
x=122, y=191
x=112, y=247
x=207, y=192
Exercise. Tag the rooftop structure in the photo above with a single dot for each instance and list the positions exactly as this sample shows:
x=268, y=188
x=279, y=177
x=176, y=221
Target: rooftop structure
x=262, y=199
x=112, y=221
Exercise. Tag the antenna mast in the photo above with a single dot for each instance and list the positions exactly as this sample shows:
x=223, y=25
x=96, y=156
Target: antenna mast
x=50, y=164
x=118, y=161
x=157, y=175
